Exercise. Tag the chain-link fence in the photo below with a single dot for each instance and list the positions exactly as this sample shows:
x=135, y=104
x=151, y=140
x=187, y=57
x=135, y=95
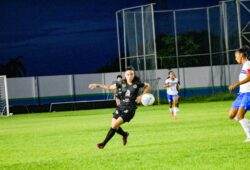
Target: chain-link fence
x=208, y=36
x=137, y=48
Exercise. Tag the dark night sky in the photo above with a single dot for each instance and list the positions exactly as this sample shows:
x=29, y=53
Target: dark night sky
x=66, y=36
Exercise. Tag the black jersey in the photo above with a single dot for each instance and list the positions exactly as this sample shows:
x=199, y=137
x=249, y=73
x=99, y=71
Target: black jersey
x=118, y=91
x=128, y=93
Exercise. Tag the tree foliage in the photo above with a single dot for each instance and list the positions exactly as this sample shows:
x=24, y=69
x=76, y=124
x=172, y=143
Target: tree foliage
x=191, y=49
x=13, y=68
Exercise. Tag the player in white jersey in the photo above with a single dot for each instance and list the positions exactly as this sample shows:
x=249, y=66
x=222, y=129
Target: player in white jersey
x=242, y=103
x=173, y=86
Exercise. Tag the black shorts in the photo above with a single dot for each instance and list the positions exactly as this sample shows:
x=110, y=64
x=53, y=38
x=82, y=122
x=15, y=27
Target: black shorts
x=126, y=114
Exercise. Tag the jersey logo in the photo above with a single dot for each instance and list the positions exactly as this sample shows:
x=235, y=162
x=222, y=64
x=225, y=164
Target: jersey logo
x=134, y=86
x=125, y=111
x=243, y=72
x=127, y=93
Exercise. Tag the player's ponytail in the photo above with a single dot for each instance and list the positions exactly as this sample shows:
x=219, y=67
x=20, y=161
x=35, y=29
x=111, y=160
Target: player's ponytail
x=244, y=50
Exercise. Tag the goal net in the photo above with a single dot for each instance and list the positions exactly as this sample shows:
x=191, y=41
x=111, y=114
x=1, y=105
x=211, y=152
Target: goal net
x=4, y=101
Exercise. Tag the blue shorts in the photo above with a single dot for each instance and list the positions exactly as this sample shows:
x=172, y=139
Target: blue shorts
x=171, y=97
x=242, y=101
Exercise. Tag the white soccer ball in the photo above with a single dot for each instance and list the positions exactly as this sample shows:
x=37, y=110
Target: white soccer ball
x=147, y=99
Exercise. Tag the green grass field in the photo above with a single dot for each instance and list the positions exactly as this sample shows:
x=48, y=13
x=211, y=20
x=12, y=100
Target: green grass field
x=202, y=138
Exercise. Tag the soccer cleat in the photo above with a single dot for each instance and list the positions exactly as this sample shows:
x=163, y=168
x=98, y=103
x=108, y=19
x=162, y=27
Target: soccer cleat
x=247, y=140
x=100, y=145
x=124, y=138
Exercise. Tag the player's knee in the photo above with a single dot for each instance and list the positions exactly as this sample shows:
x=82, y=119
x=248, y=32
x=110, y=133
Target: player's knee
x=231, y=116
x=114, y=126
x=170, y=104
x=174, y=104
x=240, y=116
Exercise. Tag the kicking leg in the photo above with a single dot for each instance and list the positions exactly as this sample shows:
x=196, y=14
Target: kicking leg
x=171, y=108
x=122, y=133
x=244, y=123
x=175, y=109
x=232, y=114
x=115, y=125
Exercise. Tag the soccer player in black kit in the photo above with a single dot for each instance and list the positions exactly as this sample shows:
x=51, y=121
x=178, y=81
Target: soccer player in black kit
x=129, y=96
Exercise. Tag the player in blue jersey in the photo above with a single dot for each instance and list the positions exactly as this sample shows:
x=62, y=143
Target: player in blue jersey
x=242, y=103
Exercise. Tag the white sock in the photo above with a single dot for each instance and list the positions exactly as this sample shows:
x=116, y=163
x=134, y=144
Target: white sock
x=245, y=126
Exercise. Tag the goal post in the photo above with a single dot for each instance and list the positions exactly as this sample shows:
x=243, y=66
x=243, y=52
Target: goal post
x=4, y=100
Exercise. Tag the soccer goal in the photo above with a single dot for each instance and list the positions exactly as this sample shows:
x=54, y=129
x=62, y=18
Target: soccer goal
x=4, y=101
x=80, y=105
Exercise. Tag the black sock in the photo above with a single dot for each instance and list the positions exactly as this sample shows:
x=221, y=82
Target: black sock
x=109, y=135
x=121, y=132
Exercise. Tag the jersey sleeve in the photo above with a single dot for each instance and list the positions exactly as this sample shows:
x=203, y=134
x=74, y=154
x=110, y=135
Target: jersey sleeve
x=141, y=85
x=166, y=81
x=247, y=68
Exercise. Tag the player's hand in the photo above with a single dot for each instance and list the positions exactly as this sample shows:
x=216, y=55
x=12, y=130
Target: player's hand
x=166, y=85
x=169, y=85
x=92, y=86
x=232, y=87
x=138, y=99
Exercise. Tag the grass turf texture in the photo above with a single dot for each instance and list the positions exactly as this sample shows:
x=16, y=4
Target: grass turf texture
x=201, y=138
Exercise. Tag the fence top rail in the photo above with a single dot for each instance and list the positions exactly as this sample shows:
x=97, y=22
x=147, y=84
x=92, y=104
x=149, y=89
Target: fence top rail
x=134, y=7
x=188, y=55
x=187, y=9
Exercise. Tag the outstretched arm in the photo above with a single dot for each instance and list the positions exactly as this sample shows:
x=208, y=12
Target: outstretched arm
x=102, y=86
x=145, y=88
x=166, y=85
x=233, y=86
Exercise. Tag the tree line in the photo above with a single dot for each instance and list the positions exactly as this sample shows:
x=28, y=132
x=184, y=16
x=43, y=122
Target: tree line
x=13, y=68
x=189, y=43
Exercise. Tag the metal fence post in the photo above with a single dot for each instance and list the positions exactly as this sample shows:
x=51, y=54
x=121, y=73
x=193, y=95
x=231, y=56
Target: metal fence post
x=210, y=49
x=124, y=38
x=118, y=40
x=176, y=45
x=239, y=21
x=143, y=40
x=224, y=13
